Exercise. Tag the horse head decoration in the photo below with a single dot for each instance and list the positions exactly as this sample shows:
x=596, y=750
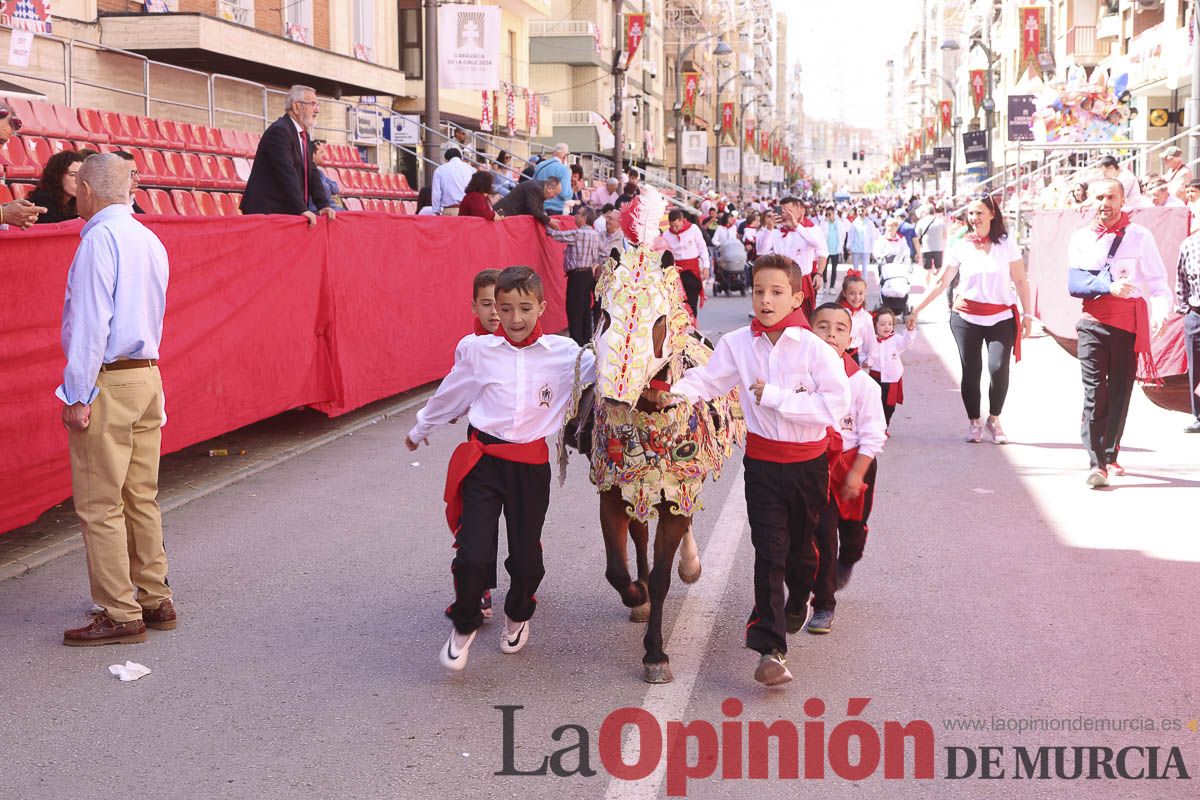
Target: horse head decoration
x=645, y=461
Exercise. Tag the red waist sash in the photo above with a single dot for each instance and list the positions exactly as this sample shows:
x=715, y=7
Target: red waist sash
x=468, y=454
x=692, y=265
x=763, y=449
x=895, y=395
x=1128, y=314
x=986, y=309
x=840, y=462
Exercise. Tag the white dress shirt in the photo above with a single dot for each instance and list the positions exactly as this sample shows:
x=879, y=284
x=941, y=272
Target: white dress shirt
x=862, y=328
x=884, y=356
x=864, y=425
x=463, y=344
x=986, y=277
x=802, y=245
x=724, y=234
x=1137, y=260
x=450, y=183
x=515, y=394
x=885, y=247
x=115, y=301
x=806, y=387
x=688, y=244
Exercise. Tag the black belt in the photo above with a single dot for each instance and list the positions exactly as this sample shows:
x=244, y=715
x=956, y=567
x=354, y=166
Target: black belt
x=129, y=363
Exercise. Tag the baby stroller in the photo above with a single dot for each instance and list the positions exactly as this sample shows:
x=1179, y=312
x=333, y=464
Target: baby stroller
x=730, y=274
x=894, y=283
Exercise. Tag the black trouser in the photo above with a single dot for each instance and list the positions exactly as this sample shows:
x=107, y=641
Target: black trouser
x=971, y=338
x=1191, y=333
x=580, y=286
x=1108, y=365
x=831, y=269
x=838, y=540
x=784, y=503
x=522, y=493
x=691, y=289
x=888, y=409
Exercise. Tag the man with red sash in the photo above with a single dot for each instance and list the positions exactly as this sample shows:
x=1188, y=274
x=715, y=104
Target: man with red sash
x=855, y=443
x=794, y=388
x=1115, y=267
x=513, y=386
x=687, y=245
x=800, y=239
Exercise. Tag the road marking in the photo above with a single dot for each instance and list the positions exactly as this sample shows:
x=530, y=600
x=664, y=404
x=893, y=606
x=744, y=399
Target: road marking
x=689, y=639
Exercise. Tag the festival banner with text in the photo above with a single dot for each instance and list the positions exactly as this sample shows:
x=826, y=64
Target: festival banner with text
x=947, y=111
x=727, y=131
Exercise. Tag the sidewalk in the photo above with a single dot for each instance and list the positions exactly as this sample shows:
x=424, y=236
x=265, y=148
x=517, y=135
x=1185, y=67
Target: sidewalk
x=192, y=473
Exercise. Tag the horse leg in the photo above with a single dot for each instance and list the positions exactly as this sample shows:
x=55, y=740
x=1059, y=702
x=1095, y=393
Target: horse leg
x=640, y=533
x=614, y=523
x=656, y=667
x=689, y=558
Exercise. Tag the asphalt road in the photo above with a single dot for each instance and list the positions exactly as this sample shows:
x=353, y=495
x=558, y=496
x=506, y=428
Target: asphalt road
x=995, y=587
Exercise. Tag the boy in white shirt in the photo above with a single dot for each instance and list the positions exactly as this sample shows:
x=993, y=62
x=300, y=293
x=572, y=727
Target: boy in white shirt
x=514, y=387
x=853, y=469
x=794, y=388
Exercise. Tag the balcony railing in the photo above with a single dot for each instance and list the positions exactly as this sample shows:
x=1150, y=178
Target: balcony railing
x=1083, y=45
x=563, y=27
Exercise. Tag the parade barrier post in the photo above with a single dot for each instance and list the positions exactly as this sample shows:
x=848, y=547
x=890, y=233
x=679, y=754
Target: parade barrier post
x=263, y=315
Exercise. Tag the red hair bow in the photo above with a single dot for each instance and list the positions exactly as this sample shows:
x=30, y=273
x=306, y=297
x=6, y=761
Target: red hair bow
x=854, y=273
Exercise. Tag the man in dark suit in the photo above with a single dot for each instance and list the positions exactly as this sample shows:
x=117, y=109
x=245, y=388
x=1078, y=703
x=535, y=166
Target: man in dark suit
x=529, y=199
x=284, y=177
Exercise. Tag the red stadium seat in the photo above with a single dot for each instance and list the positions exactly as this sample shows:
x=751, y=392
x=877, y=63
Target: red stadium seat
x=191, y=139
x=219, y=201
x=149, y=127
x=107, y=148
x=165, y=170
x=90, y=121
x=39, y=151
x=180, y=170
x=185, y=203
x=139, y=134
x=37, y=117
x=117, y=129
x=68, y=120
x=160, y=201
x=194, y=164
x=19, y=163
x=245, y=146
x=227, y=173
x=229, y=206
x=169, y=130
x=236, y=197
x=59, y=145
x=353, y=204
x=21, y=190
x=143, y=200
x=147, y=169
x=5, y=194
x=205, y=203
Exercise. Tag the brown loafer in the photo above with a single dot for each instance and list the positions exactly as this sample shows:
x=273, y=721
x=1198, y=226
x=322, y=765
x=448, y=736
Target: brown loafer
x=102, y=630
x=162, y=618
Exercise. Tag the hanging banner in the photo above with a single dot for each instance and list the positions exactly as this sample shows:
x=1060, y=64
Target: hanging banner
x=691, y=86
x=941, y=158
x=978, y=87
x=485, y=113
x=635, y=29
x=533, y=107
x=930, y=131
x=510, y=109
x=750, y=139
x=728, y=160
x=1031, y=37
x=1021, y=108
x=975, y=147
x=947, y=113
x=727, y=131
x=764, y=144
x=750, y=164
x=469, y=47
x=20, y=47
x=695, y=147
x=26, y=15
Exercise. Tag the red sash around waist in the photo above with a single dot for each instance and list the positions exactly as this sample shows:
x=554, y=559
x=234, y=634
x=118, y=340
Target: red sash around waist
x=692, y=265
x=840, y=462
x=468, y=454
x=762, y=449
x=895, y=395
x=1128, y=314
x=987, y=309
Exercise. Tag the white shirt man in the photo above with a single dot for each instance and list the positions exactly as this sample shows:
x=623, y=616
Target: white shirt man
x=450, y=183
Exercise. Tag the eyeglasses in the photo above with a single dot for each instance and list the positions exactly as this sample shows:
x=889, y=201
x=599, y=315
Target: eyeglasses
x=13, y=120
x=309, y=102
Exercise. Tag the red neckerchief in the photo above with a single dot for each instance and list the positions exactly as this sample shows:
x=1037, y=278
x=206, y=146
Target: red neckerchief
x=893, y=238
x=885, y=338
x=786, y=229
x=852, y=309
x=1117, y=227
x=684, y=229
x=980, y=242
x=534, y=335
x=850, y=364
x=792, y=320
x=806, y=222
x=479, y=329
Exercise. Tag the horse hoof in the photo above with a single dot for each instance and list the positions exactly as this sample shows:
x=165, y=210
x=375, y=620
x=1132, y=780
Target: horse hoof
x=639, y=613
x=657, y=673
x=687, y=576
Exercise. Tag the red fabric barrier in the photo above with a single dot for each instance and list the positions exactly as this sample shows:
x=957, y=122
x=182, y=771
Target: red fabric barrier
x=263, y=316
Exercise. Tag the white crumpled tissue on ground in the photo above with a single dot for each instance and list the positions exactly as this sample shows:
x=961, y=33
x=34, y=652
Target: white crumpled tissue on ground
x=129, y=671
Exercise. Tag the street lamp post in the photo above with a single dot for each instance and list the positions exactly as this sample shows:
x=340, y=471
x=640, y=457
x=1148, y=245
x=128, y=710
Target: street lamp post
x=989, y=104
x=432, y=111
x=721, y=49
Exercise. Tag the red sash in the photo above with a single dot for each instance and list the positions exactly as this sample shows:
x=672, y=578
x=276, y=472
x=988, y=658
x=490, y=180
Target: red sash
x=840, y=462
x=1128, y=314
x=984, y=309
x=762, y=449
x=692, y=265
x=895, y=395
x=467, y=455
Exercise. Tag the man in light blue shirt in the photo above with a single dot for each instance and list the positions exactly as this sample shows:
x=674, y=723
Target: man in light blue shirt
x=556, y=167
x=113, y=407
x=450, y=183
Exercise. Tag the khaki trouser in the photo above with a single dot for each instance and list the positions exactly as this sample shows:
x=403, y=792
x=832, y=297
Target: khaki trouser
x=114, y=478
x=450, y=211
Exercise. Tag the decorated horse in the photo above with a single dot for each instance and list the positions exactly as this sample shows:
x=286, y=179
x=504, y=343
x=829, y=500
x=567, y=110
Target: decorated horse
x=647, y=462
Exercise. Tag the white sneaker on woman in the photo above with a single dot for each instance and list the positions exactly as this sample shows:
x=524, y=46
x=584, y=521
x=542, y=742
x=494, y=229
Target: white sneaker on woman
x=975, y=431
x=997, y=433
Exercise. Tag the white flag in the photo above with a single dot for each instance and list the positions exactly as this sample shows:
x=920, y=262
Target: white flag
x=469, y=47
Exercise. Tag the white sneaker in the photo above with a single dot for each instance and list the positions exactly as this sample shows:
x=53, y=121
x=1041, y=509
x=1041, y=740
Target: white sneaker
x=514, y=636
x=975, y=431
x=452, y=657
x=997, y=433
x=1097, y=478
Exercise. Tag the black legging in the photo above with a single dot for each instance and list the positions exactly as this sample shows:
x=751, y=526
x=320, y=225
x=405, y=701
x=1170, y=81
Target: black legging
x=691, y=290
x=971, y=338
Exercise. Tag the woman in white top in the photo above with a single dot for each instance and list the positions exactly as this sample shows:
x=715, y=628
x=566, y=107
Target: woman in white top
x=991, y=277
x=891, y=243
